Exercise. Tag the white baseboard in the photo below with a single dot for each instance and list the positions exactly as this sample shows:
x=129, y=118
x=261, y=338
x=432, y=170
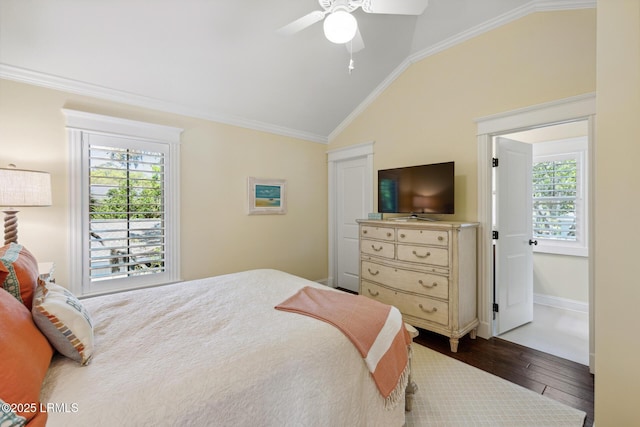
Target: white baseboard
x=324, y=282
x=558, y=302
x=484, y=330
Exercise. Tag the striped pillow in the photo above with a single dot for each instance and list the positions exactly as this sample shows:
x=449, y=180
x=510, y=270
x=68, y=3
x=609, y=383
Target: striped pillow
x=9, y=418
x=21, y=272
x=64, y=321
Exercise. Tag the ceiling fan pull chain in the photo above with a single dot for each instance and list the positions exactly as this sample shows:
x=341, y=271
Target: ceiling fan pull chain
x=351, y=67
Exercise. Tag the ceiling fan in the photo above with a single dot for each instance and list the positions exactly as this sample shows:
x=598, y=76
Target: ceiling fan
x=340, y=26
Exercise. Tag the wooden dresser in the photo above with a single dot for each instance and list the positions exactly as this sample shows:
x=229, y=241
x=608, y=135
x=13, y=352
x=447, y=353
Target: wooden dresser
x=426, y=269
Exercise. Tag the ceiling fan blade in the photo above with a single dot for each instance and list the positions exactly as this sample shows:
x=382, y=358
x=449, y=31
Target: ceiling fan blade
x=396, y=7
x=301, y=23
x=357, y=44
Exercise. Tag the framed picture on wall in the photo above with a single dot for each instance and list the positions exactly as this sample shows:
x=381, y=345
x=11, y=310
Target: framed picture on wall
x=267, y=196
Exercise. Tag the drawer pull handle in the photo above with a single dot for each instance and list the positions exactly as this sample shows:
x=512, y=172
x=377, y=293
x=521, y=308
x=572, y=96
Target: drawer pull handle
x=376, y=249
x=440, y=238
x=402, y=236
x=428, y=286
x=388, y=234
x=364, y=231
x=373, y=294
x=373, y=273
x=422, y=256
x=433, y=310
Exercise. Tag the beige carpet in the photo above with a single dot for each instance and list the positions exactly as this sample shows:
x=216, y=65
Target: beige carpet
x=451, y=393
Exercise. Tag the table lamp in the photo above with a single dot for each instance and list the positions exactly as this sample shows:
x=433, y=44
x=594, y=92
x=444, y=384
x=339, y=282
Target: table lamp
x=21, y=188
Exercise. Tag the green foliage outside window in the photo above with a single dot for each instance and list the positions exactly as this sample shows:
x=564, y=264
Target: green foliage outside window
x=131, y=195
x=554, y=199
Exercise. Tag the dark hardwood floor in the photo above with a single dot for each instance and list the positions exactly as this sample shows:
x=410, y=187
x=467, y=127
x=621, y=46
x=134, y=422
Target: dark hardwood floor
x=559, y=379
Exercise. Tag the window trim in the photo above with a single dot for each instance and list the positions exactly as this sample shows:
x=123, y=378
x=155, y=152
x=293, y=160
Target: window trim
x=79, y=123
x=559, y=150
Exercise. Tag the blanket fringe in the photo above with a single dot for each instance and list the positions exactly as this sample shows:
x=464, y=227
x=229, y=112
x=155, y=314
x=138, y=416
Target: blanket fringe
x=391, y=401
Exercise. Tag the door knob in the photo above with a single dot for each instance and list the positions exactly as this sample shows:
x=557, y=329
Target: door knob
x=533, y=242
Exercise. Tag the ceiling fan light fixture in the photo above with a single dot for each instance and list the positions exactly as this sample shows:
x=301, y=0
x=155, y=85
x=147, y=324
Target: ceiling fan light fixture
x=340, y=27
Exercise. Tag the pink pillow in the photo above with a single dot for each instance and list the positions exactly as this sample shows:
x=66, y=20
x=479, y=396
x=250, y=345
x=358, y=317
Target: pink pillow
x=25, y=354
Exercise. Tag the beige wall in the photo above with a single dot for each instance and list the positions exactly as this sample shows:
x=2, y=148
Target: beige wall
x=561, y=276
x=617, y=286
x=427, y=115
x=217, y=236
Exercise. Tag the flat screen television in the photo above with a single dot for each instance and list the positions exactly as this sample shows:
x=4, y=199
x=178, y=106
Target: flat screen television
x=424, y=189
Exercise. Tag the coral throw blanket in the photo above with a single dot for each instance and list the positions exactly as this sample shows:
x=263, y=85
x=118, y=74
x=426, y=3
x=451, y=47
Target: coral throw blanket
x=376, y=329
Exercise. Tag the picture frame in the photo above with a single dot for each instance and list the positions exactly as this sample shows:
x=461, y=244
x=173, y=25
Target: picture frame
x=267, y=196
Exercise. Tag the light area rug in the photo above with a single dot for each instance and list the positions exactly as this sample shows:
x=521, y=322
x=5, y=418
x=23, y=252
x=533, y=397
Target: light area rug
x=452, y=393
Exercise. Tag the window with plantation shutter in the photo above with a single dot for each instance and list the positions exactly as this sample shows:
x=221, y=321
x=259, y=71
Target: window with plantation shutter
x=559, y=214
x=554, y=199
x=125, y=214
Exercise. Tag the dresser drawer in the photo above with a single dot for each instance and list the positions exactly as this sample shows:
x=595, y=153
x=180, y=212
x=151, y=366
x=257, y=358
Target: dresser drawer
x=382, y=233
x=406, y=280
x=426, y=237
x=411, y=305
x=377, y=248
x=424, y=255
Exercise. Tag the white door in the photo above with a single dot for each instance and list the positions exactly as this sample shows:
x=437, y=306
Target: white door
x=513, y=221
x=352, y=203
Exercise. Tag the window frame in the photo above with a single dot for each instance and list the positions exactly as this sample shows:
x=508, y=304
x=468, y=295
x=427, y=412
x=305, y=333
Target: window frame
x=80, y=127
x=564, y=149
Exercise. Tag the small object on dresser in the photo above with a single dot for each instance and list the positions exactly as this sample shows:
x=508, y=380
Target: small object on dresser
x=375, y=215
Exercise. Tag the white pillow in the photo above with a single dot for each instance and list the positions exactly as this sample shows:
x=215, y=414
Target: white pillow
x=64, y=321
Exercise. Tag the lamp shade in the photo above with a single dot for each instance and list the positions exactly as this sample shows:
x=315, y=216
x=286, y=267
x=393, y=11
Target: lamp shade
x=19, y=187
x=340, y=27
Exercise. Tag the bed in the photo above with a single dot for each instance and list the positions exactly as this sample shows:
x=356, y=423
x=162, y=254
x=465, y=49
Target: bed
x=214, y=352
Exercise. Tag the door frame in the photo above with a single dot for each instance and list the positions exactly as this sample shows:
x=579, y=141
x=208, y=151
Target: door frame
x=555, y=112
x=334, y=156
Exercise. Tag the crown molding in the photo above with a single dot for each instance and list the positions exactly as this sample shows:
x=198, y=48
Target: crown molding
x=513, y=15
x=369, y=99
x=49, y=81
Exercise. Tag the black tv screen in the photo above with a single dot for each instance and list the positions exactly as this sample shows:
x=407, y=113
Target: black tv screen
x=425, y=189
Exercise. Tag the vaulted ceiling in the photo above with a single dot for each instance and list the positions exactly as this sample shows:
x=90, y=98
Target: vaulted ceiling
x=224, y=61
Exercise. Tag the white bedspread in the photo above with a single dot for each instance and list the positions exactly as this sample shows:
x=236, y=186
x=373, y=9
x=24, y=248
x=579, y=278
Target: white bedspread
x=215, y=352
